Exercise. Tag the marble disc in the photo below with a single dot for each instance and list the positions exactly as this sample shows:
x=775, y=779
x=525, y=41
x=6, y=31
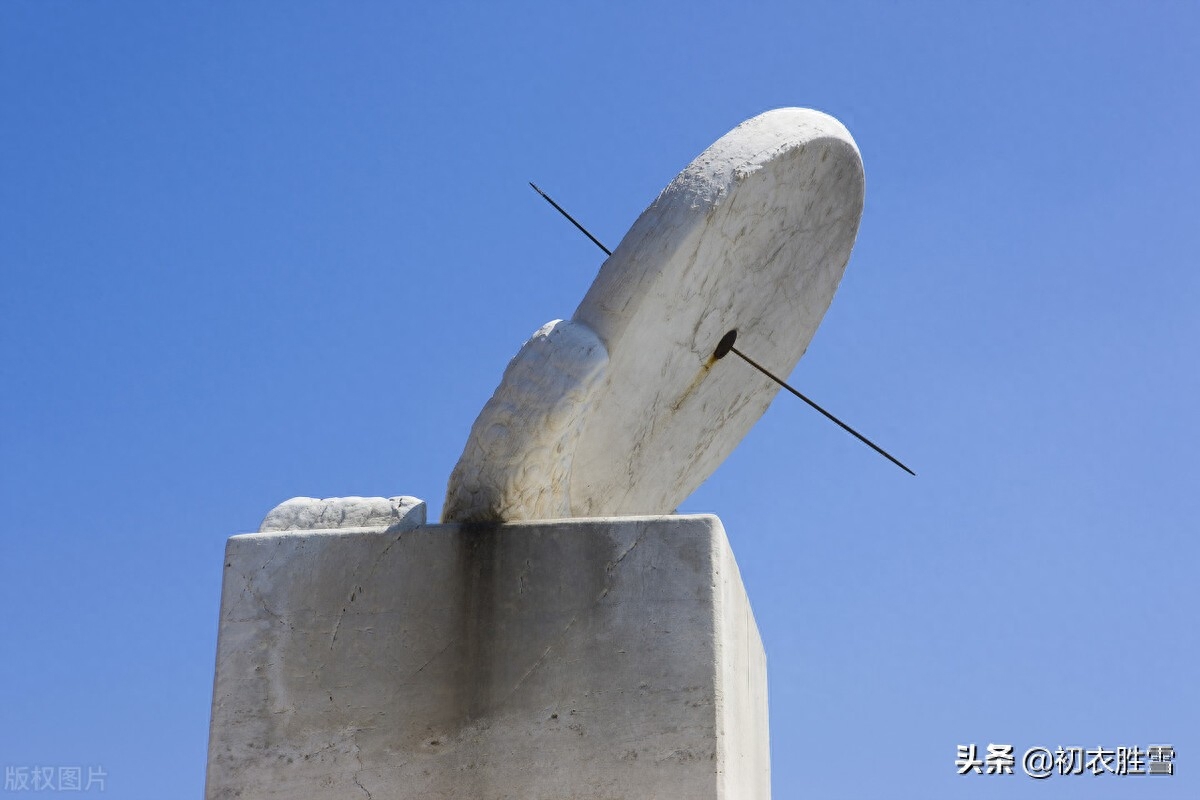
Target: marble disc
x=624, y=409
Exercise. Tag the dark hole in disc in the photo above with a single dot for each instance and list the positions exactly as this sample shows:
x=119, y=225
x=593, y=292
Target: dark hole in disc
x=726, y=344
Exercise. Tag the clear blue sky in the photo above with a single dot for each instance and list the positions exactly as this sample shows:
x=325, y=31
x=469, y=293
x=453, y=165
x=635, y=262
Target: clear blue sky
x=258, y=250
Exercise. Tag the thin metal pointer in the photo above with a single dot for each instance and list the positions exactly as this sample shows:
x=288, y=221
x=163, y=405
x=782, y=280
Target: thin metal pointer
x=725, y=346
x=562, y=211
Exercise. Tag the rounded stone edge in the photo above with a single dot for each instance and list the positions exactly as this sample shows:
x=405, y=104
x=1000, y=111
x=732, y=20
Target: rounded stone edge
x=311, y=513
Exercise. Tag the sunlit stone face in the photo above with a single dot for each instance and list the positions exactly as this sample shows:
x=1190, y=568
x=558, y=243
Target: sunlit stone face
x=752, y=236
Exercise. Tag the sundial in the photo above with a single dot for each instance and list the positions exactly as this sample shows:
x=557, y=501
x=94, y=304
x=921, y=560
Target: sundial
x=599, y=645
x=628, y=406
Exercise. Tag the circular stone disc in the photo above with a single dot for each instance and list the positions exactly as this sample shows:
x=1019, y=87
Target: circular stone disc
x=753, y=236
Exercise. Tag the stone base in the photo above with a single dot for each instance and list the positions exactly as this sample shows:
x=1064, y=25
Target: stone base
x=573, y=659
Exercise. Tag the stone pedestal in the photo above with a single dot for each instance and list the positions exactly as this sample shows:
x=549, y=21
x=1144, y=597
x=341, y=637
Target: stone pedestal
x=575, y=659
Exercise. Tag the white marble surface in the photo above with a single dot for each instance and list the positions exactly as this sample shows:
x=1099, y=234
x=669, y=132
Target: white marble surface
x=753, y=236
x=311, y=513
x=517, y=464
x=570, y=660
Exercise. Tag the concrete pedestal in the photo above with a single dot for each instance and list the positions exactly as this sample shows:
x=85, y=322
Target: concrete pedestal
x=576, y=659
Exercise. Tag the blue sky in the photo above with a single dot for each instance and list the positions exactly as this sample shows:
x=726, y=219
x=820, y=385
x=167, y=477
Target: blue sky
x=255, y=250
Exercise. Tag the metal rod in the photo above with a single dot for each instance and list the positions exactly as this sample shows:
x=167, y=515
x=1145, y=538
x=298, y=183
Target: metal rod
x=841, y=424
x=573, y=220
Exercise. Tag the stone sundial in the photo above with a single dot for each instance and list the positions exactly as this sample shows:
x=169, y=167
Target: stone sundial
x=600, y=646
x=626, y=408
